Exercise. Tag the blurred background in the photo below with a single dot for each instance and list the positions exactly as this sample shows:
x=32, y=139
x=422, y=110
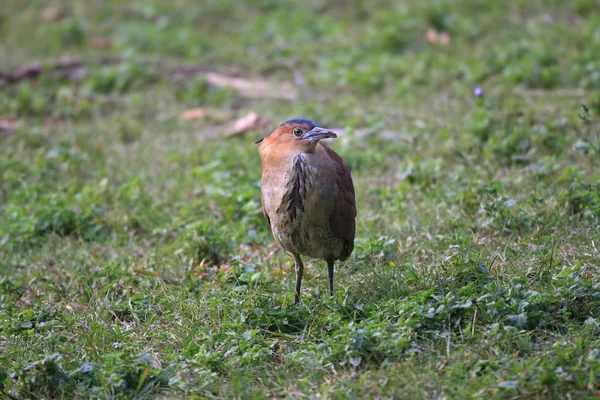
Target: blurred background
x=342, y=62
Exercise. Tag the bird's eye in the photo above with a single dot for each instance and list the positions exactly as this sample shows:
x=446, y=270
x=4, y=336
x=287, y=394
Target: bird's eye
x=297, y=132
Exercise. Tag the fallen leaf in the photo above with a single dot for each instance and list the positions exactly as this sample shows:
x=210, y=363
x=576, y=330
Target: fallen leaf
x=7, y=125
x=100, y=42
x=253, y=88
x=444, y=39
x=54, y=13
x=193, y=113
x=225, y=267
x=431, y=36
x=434, y=37
x=246, y=123
x=200, y=274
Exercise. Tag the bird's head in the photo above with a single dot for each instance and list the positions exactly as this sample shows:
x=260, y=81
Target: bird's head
x=295, y=135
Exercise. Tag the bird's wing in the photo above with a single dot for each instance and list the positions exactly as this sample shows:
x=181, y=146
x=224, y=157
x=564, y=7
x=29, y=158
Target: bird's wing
x=343, y=217
x=262, y=201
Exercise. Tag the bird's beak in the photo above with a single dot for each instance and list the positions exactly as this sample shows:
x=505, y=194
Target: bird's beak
x=319, y=133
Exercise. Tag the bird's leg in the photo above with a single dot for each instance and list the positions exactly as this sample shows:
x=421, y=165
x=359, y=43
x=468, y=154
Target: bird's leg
x=299, y=271
x=330, y=263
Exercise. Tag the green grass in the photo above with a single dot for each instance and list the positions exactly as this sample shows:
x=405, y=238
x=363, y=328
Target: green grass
x=134, y=258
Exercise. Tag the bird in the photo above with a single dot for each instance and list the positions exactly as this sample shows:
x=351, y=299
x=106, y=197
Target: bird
x=307, y=195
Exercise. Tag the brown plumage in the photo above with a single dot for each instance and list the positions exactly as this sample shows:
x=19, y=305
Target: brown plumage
x=307, y=195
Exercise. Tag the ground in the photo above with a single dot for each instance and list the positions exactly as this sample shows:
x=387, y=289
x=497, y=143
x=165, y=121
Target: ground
x=134, y=258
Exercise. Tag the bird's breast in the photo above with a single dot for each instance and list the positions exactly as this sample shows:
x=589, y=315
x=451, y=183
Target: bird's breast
x=298, y=199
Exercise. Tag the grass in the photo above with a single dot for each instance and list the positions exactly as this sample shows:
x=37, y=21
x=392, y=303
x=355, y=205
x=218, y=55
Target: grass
x=134, y=258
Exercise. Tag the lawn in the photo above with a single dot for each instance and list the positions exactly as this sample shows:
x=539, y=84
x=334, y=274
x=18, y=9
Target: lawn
x=135, y=261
